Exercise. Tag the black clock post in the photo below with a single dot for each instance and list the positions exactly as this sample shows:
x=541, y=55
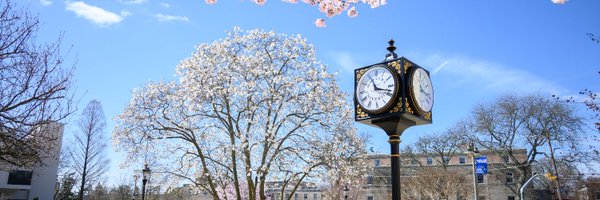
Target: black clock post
x=409, y=106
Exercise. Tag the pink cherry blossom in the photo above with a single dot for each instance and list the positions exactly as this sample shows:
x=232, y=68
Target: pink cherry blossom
x=332, y=7
x=320, y=23
x=352, y=12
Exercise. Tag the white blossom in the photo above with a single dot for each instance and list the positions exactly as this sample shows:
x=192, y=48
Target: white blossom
x=252, y=107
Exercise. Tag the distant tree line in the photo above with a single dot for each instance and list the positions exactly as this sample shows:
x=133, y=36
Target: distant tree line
x=552, y=132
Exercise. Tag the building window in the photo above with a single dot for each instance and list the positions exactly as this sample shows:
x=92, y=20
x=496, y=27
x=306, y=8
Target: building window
x=481, y=198
x=511, y=197
x=429, y=160
x=377, y=163
x=413, y=161
x=19, y=177
x=509, y=177
x=462, y=160
x=314, y=196
x=306, y=196
x=597, y=195
x=446, y=160
x=369, y=198
x=369, y=179
x=505, y=158
x=296, y=196
x=480, y=178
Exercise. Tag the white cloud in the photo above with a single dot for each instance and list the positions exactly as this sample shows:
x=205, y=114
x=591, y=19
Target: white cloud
x=133, y=1
x=46, y=2
x=125, y=13
x=559, y=1
x=164, y=18
x=95, y=14
x=437, y=69
x=345, y=61
x=489, y=75
x=165, y=5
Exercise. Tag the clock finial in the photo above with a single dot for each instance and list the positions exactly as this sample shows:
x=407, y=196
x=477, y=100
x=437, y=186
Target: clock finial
x=391, y=55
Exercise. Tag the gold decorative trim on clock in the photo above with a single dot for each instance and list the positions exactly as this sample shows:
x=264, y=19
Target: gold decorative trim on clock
x=360, y=113
x=428, y=116
x=408, y=108
x=407, y=65
x=398, y=106
x=395, y=65
x=360, y=73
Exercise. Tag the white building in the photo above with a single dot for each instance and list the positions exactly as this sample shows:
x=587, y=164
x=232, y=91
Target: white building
x=37, y=182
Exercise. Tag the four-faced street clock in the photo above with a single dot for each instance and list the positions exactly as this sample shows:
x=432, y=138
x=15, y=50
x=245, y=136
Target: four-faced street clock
x=394, y=90
x=393, y=95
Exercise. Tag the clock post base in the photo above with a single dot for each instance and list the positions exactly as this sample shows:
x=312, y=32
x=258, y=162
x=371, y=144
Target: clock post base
x=394, y=128
x=394, y=141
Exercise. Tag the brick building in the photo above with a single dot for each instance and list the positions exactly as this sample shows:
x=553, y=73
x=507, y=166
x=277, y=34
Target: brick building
x=498, y=184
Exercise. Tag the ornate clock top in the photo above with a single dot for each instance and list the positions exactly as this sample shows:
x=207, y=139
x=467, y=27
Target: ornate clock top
x=391, y=55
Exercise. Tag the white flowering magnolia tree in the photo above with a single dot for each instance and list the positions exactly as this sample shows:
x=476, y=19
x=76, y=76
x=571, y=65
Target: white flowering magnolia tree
x=250, y=108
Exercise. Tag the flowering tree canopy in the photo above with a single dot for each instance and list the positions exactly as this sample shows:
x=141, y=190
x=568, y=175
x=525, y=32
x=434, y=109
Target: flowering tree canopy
x=250, y=108
x=335, y=7
x=328, y=7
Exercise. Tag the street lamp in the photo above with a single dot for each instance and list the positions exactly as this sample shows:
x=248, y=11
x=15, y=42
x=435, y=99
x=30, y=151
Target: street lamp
x=473, y=151
x=145, y=177
x=522, y=189
x=346, y=192
x=135, y=188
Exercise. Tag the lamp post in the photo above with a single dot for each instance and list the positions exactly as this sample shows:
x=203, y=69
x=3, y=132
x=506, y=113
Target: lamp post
x=135, y=188
x=522, y=189
x=146, y=176
x=346, y=192
x=473, y=151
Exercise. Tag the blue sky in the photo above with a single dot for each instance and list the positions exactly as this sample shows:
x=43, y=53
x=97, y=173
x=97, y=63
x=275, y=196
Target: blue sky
x=475, y=50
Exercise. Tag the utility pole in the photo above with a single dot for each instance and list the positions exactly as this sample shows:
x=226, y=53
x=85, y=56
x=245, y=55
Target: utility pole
x=553, y=161
x=472, y=150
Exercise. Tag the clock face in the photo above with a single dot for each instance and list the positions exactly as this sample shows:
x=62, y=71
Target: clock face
x=376, y=89
x=422, y=90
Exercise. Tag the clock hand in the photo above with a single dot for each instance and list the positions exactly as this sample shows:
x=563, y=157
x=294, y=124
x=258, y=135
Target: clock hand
x=375, y=86
x=424, y=92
